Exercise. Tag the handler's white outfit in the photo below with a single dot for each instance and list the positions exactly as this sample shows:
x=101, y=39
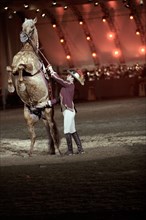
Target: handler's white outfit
x=69, y=121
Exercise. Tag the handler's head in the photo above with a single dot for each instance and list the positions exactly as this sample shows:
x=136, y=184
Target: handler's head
x=77, y=74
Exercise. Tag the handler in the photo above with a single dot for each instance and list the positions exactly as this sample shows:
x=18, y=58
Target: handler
x=67, y=106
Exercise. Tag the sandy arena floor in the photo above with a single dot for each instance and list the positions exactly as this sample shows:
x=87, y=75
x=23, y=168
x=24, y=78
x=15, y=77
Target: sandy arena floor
x=107, y=182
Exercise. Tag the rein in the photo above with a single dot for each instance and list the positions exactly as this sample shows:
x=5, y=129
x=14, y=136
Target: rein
x=26, y=38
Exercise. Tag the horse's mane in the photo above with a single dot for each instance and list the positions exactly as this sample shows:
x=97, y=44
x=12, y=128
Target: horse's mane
x=36, y=39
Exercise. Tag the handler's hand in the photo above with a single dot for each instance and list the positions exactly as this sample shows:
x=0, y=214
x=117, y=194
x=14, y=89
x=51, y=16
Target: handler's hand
x=50, y=68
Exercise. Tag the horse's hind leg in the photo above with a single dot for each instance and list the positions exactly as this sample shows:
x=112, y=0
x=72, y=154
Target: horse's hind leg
x=50, y=139
x=54, y=138
x=31, y=120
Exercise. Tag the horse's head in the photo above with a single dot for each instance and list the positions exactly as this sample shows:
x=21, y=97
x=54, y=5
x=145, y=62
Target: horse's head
x=28, y=27
x=29, y=32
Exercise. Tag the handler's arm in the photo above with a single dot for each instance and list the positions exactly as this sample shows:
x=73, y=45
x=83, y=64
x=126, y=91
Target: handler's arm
x=56, y=77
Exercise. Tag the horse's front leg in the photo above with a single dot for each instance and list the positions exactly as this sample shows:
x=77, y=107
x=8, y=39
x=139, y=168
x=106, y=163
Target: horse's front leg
x=22, y=86
x=31, y=120
x=11, y=88
x=54, y=138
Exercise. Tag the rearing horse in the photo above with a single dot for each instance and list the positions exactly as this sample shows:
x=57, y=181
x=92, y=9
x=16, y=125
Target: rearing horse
x=27, y=75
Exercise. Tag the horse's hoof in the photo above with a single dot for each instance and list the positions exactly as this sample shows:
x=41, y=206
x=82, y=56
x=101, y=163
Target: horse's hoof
x=60, y=153
x=22, y=87
x=30, y=154
x=11, y=88
x=9, y=69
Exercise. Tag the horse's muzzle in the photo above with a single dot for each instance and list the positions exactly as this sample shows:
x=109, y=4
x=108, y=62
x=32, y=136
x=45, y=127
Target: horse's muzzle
x=23, y=37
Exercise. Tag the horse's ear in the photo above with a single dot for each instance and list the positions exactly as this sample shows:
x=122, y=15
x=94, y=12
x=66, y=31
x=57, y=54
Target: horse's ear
x=25, y=19
x=35, y=20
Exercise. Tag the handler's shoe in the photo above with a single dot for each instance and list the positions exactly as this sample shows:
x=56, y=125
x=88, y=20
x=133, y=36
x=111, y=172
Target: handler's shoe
x=68, y=153
x=80, y=151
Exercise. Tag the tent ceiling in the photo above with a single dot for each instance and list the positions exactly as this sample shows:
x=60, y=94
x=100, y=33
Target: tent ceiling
x=80, y=49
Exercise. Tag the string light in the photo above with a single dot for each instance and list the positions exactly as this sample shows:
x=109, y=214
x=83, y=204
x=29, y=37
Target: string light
x=54, y=3
x=110, y=36
x=137, y=32
x=54, y=25
x=94, y=54
x=142, y=50
x=62, y=40
x=81, y=22
x=43, y=15
x=68, y=57
x=131, y=16
x=88, y=38
x=116, y=53
x=65, y=7
x=104, y=19
x=26, y=6
x=10, y=16
x=96, y=3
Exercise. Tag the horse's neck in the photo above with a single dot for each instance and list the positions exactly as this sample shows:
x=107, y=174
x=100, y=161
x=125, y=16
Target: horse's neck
x=27, y=47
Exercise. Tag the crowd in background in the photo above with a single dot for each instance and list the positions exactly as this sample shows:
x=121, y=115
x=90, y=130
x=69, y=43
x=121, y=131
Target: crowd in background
x=105, y=72
x=113, y=71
